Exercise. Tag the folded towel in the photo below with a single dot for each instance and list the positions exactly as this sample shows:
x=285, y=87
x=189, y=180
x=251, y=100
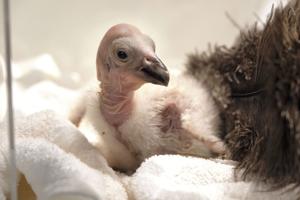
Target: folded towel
x=61, y=137
x=44, y=95
x=54, y=174
x=178, y=177
x=56, y=129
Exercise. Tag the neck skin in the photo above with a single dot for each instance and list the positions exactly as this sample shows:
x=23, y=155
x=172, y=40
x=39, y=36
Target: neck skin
x=116, y=96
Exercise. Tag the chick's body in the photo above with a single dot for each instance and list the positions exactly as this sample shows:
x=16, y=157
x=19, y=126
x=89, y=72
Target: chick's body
x=130, y=117
x=178, y=119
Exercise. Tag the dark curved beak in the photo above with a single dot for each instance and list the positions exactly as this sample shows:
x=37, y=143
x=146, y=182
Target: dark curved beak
x=155, y=71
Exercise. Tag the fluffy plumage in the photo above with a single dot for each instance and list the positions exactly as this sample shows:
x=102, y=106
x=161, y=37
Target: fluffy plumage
x=179, y=119
x=257, y=88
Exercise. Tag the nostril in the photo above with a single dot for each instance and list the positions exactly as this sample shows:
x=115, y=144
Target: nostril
x=148, y=61
x=151, y=60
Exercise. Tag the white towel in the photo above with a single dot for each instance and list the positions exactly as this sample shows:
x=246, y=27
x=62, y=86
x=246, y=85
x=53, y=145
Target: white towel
x=56, y=129
x=54, y=174
x=61, y=137
x=177, y=177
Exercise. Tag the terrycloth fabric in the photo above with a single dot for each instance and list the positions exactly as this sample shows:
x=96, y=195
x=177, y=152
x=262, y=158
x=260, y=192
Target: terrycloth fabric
x=50, y=156
x=54, y=174
x=177, y=177
x=55, y=129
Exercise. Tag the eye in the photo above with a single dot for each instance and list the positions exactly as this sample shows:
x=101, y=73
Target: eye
x=122, y=55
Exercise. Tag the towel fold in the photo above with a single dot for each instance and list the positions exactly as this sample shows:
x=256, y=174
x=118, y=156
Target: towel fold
x=59, y=131
x=56, y=158
x=178, y=177
x=54, y=174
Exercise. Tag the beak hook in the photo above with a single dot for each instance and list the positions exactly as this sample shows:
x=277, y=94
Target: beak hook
x=155, y=71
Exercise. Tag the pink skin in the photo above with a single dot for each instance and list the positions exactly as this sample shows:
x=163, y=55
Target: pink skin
x=117, y=97
x=119, y=79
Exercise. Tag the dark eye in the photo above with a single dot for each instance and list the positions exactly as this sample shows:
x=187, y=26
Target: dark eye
x=122, y=55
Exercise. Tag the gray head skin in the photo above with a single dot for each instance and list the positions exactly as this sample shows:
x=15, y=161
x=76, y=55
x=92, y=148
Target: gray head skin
x=126, y=60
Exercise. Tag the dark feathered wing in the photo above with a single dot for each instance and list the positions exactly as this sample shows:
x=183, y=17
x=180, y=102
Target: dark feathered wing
x=256, y=84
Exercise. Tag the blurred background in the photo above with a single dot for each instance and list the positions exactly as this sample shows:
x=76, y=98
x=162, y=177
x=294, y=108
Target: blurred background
x=54, y=42
x=69, y=31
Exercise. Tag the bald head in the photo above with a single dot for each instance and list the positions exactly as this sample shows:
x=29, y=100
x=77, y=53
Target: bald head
x=117, y=31
x=125, y=49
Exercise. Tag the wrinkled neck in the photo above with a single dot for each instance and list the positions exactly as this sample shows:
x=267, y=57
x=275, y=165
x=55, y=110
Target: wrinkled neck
x=116, y=99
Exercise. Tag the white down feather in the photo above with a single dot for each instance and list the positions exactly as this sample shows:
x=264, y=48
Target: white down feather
x=141, y=133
